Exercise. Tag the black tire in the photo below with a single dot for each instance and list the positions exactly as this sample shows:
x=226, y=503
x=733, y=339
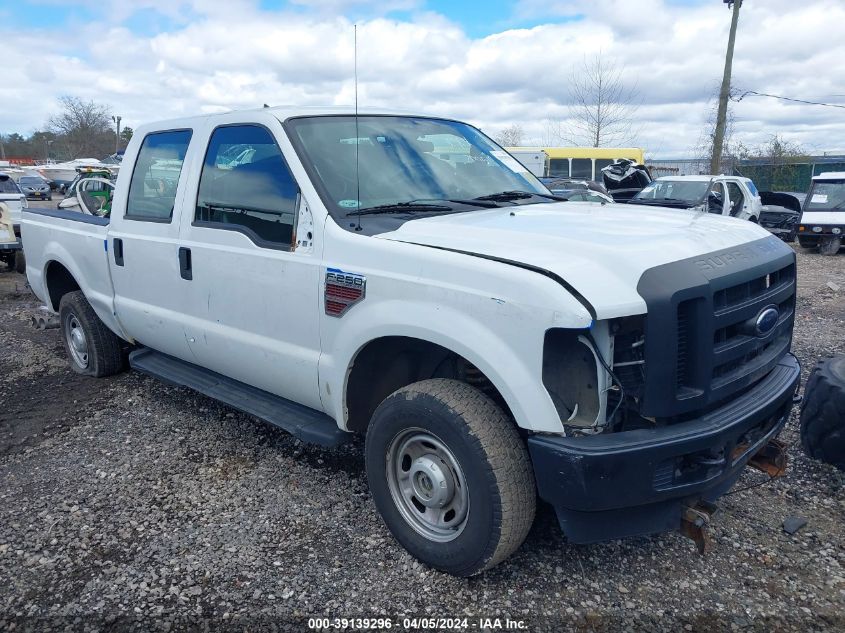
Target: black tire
x=830, y=245
x=823, y=412
x=806, y=242
x=491, y=458
x=104, y=350
x=20, y=263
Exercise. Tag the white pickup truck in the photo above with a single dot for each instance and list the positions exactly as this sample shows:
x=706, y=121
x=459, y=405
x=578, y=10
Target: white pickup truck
x=337, y=274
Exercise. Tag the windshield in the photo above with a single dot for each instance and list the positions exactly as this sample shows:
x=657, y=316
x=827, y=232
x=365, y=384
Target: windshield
x=691, y=191
x=826, y=195
x=30, y=180
x=404, y=160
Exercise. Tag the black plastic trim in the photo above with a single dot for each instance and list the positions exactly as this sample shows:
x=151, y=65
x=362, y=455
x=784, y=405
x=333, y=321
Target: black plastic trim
x=589, y=479
x=697, y=279
x=300, y=421
x=75, y=216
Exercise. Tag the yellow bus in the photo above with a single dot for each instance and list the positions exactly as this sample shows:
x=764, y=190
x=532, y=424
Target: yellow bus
x=573, y=162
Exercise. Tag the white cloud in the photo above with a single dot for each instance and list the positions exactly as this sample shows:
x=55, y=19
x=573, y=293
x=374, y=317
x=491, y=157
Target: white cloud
x=223, y=55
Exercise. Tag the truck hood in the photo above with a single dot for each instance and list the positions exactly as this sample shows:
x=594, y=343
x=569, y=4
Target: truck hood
x=600, y=251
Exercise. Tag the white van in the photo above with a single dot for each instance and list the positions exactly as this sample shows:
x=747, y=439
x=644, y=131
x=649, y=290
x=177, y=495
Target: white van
x=823, y=217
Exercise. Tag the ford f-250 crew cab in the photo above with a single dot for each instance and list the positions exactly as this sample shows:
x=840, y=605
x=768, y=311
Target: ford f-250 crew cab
x=404, y=278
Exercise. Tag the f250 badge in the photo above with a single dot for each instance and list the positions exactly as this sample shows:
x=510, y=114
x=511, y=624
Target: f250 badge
x=343, y=290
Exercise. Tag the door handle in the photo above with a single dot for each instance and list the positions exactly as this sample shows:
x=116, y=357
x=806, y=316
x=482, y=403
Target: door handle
x=185, y=269
x=118, y=251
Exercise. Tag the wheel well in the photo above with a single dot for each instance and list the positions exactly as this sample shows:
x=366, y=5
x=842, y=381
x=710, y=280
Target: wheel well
x=59, y=282
x=390, y=363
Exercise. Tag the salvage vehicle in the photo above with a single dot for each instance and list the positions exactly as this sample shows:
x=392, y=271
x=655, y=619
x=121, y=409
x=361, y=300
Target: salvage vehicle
x=100, y=187
x=625, y=178
x=733, y=196
x=823, y=216
x=10, y=244
x=492, y=343
x=781, y=213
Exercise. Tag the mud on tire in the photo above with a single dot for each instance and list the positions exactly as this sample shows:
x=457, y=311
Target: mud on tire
x=823, y=412
x=489, y=464
x=93, y=349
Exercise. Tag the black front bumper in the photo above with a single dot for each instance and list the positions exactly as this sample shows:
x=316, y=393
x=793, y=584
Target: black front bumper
x=616, y=485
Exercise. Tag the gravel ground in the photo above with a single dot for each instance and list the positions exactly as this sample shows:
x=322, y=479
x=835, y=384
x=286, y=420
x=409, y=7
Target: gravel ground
x=127, y=504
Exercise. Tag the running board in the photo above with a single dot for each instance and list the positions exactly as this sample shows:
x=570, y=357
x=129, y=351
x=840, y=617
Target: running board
x=300, y=421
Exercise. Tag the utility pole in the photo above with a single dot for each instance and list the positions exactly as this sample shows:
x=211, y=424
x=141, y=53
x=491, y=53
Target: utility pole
x=116, y=120
x=724, y=93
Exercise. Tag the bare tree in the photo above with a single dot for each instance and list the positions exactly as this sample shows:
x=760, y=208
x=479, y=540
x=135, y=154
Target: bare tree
x=602, y=104
x=84, y=127
x=511, y=136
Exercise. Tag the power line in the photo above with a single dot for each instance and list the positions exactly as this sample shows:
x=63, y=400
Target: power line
x=763, y=94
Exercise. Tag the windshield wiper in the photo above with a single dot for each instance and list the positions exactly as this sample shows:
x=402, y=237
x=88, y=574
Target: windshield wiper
x=395, y=207
x=659, y=200
x=504, y=196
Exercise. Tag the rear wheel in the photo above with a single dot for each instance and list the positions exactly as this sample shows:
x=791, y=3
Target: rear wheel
x=20, y=262
x=92, y=348
x=830, y=245
x=450, y=476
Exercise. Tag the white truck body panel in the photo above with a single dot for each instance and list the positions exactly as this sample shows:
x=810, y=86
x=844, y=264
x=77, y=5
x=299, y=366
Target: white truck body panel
x=606, y=248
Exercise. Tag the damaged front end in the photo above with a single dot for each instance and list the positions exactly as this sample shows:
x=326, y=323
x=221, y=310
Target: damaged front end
x=663, y=411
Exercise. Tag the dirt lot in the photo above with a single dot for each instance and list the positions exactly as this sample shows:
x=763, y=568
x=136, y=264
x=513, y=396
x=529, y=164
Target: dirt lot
x=130, y=505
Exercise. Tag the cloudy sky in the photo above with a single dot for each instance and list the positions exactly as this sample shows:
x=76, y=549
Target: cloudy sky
x=492, y=62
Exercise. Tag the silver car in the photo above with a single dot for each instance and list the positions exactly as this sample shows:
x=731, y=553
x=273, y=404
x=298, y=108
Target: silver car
x=35, y=188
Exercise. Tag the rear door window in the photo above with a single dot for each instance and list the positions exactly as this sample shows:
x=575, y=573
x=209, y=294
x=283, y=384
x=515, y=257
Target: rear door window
x=7, y=185
x=246, y=186
x=152, y=191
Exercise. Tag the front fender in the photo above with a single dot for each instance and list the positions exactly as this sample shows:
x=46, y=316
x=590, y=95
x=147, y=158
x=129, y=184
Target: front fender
x=511, y=360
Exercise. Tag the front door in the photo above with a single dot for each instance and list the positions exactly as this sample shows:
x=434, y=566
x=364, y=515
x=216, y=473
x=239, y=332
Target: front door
x=252, y=296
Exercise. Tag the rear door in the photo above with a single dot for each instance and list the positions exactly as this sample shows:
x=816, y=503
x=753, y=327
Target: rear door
x=739, y=205
x=143, y=244
x=252, y=295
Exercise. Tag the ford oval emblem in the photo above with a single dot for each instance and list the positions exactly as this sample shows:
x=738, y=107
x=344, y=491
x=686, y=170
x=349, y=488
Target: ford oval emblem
x=766, y=320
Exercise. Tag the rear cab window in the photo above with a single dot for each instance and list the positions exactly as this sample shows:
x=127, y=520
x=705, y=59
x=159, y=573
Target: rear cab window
x=7, y=185
x=155, y=178
x=246, y=186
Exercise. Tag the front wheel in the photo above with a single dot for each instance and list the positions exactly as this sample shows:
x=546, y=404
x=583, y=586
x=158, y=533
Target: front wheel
x=806, y=242
x=450, y=476
x=92, y=348
x=830, y=245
